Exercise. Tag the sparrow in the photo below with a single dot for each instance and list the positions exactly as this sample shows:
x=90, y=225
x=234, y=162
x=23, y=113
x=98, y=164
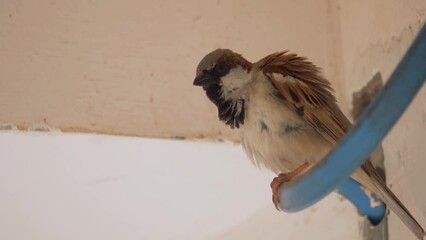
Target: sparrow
x=287, y=116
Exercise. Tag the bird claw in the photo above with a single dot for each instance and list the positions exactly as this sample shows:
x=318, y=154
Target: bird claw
x=283, y=178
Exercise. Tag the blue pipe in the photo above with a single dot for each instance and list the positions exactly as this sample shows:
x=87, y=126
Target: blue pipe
x=352, y=190
x=351, y=152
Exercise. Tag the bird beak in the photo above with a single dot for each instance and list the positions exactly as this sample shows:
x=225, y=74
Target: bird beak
x=203, y=79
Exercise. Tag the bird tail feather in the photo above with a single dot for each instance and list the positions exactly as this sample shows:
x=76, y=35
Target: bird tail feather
x=394, y=203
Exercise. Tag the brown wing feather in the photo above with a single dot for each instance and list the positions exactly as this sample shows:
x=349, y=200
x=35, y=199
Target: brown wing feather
x=307, y=92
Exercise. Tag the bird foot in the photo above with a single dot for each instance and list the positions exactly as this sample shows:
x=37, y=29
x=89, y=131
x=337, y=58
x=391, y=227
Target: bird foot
x=282, y=178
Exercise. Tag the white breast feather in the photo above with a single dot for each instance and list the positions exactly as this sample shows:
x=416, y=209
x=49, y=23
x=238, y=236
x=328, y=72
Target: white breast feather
x=276, y=149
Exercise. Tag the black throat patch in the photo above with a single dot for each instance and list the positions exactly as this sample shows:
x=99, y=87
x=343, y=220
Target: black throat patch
x=231, y=112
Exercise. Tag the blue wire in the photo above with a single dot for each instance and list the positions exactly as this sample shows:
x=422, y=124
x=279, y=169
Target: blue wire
x=384, y=111
x=351, y=189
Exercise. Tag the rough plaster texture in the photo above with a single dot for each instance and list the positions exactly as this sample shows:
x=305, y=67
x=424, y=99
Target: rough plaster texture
x=126, y=67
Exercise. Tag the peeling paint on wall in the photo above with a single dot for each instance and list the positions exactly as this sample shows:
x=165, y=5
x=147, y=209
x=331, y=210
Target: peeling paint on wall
x=8, y=127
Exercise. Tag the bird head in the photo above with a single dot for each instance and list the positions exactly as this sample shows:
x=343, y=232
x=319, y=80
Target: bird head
x=223, y=75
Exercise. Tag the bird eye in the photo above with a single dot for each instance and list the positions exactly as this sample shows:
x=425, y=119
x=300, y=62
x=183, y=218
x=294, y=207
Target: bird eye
x=221, y=68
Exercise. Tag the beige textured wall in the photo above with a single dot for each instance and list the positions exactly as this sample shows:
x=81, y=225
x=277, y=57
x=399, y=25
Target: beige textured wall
x=126, y=67
x=375, y=35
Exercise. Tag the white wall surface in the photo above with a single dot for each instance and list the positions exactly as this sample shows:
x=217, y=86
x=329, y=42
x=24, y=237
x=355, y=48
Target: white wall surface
x=65, y=186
